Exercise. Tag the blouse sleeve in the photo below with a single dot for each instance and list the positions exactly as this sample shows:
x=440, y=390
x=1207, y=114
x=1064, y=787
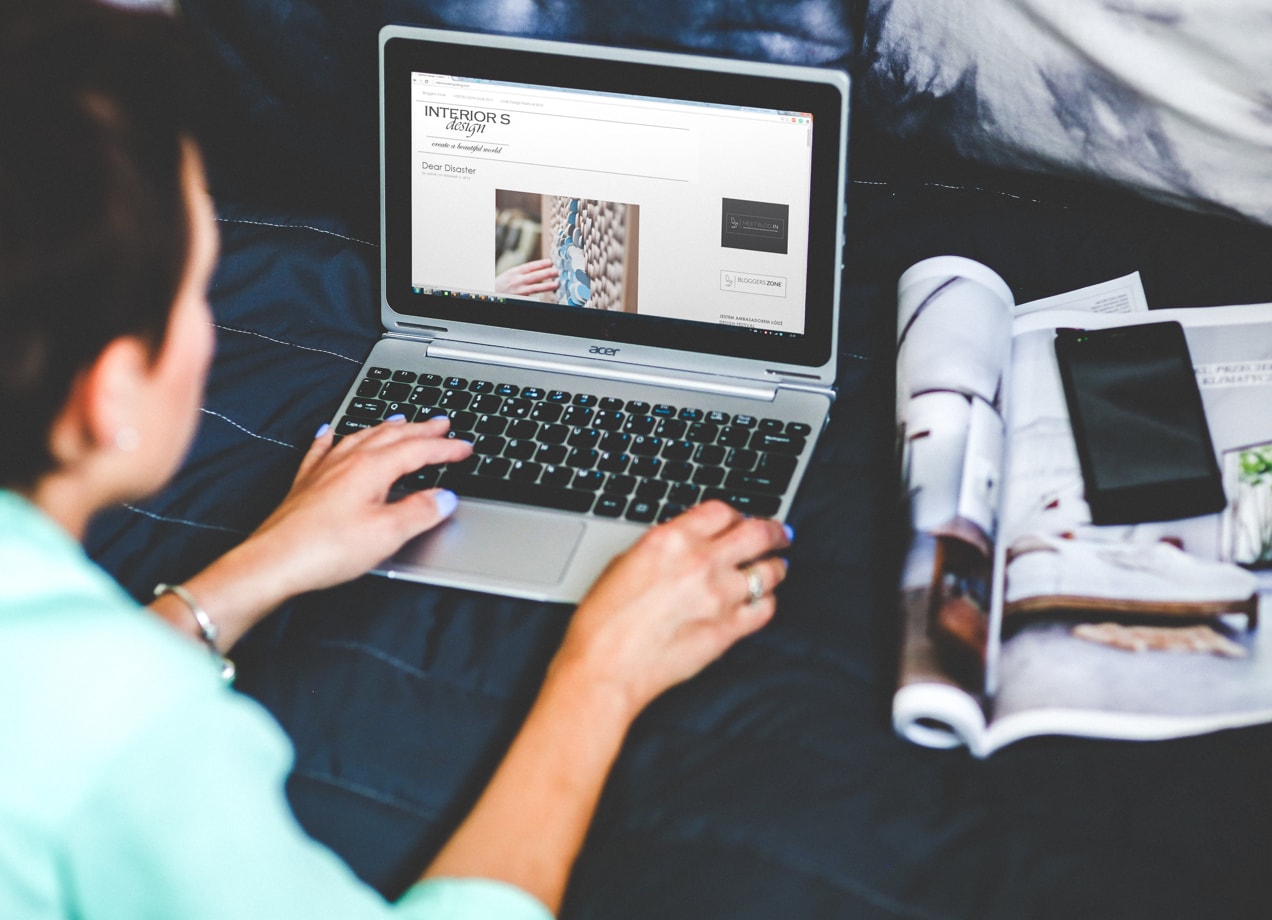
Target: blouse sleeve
x=190, y=820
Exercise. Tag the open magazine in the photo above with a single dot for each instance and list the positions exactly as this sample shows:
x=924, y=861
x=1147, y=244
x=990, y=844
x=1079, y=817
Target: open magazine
x=1021, y=617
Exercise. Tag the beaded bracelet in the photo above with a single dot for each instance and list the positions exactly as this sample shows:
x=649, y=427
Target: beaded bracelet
x=207, y=629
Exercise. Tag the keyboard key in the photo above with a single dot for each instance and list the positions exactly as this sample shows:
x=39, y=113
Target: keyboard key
x=559, y=396
x=396, y=391
x=671, y=510
x=734, y=436
x=553, y=434
x=716, y=417
x=798, y=429
x=636, y=407
x=488, y=444
x=490, y=424
x=455, y=399
x=678, y=450
x=590, y=480
x=406, y=410
x=662, y=410
x=426, y=396
x=420, y=480
x=610, y=506
x=702, y=433
x=507, y=389
x=431, y=380
x=365, y=408
x=672, y=428
x=494, y=467
x=709, y=455
x=522, y=428
x=532, y=393
x=608, y=420
x=620, y=484
x=684, y=494
x=576, y=415
x=404, y=376
x=552, y=454
x=651, y=489
x=369, y=388
x=772, y=425
x=582, y=458
x=481, y=386
x=739, y=458
x=744, y=421
x=583, y=437
x=584, y=399
x=779, y=443
x=642, y=512
x=611, y=403
x=613, y=462
x=639, y=424
x=708, y=476
x=516, y=407
x=677, y=470
x=542, y=496
x=545, y=412
x=646, y=466
x=379, y=373
x=486, y=402
x=751, y=482
x=349, y=425
x=746, y=502
x=520, y=449
x=556, y=475
x=524, y=471
x=646, y=446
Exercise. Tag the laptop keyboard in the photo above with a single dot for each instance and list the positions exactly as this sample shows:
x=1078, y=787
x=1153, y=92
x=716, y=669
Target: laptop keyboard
x=578, y=452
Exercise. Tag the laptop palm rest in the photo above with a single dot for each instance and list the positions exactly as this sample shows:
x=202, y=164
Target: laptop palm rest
x=503, y=542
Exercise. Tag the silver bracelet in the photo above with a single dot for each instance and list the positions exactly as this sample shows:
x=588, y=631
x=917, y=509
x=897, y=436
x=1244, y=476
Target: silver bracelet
x=207, y=629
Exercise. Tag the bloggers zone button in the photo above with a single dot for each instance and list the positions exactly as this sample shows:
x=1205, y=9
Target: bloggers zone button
x=751, y=283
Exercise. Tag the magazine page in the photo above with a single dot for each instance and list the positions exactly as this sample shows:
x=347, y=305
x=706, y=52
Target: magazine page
x=1105, y=668
x=953, y=343
x=953, y=330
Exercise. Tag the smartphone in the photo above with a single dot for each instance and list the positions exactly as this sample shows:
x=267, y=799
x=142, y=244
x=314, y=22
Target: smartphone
x=1139, y=424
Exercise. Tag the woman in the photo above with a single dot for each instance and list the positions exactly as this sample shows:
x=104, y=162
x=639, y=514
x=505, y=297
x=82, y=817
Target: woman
x=133, y=783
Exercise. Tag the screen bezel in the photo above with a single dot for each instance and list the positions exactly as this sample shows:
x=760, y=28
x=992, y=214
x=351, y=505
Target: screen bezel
x=825, y=99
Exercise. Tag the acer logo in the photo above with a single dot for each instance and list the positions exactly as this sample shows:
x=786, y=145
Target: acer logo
x=602, y=350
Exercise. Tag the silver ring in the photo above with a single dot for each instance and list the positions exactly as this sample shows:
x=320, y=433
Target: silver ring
x=754, y=585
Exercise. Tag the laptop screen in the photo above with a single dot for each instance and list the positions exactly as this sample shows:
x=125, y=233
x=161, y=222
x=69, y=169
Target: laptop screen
x=629, y=200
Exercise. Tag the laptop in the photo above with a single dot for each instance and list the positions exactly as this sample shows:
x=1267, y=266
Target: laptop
x=618, y=273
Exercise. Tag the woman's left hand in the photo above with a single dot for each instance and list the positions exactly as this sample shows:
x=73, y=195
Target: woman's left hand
x=336, y=521
x=334, y=524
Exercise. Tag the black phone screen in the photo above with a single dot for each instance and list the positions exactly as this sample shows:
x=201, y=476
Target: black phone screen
x=1139, y=424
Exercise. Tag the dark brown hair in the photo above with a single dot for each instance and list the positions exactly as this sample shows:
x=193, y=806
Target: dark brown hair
x=95, y=103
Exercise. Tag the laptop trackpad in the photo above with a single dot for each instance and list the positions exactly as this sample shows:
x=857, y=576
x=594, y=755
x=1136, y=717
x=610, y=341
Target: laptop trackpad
x=498, y=541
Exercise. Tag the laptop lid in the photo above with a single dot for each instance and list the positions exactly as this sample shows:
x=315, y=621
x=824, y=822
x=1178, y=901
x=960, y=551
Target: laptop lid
x=689, y=209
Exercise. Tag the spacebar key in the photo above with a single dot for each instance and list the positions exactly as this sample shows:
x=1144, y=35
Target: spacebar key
x=521, y=493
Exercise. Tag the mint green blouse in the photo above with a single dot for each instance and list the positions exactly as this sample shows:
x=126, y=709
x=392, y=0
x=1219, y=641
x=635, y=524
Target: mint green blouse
x=134, y=784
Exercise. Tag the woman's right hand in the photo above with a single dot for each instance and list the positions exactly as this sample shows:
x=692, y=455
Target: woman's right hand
x=675, y=602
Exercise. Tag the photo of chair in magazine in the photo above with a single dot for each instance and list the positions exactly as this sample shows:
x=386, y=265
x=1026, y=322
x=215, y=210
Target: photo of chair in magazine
x=1020, y=616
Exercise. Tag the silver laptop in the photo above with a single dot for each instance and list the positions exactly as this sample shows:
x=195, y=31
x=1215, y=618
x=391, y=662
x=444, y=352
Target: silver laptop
x=618, y=273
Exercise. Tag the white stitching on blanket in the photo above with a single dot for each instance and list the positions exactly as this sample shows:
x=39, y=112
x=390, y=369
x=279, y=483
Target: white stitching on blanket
x=374, y=795
x=248, y=431
x=965, y=188
x=265, y=223
x=172, y=520
x=270, y=338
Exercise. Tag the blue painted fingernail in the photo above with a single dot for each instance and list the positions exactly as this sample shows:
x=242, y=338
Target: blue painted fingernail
x=786, y=562
x=790, y=532
x=322, y=430
x=447, y=501
x=398, y=417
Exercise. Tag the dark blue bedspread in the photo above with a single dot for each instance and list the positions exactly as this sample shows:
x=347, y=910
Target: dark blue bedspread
x=772, y=785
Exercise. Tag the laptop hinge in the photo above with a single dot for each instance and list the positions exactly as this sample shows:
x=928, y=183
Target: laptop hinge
x=611, y=370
